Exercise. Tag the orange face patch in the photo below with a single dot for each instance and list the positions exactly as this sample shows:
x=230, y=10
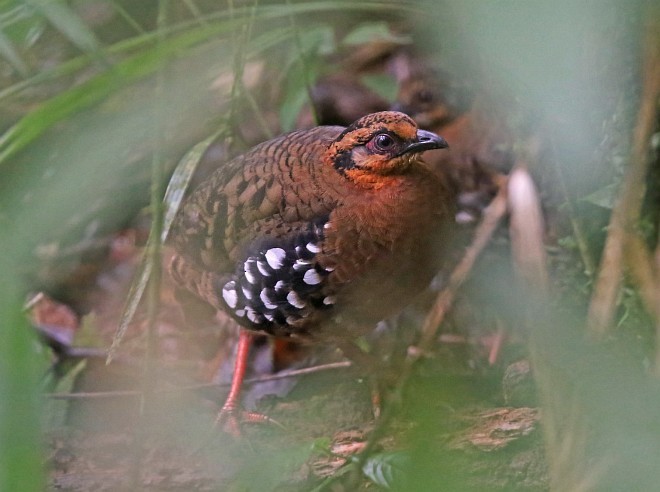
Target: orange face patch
x=356, y=154
x=368, y=179
x=363, y=129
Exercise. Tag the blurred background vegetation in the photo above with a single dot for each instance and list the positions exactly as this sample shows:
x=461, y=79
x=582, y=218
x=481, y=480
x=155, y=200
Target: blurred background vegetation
x=99, y=101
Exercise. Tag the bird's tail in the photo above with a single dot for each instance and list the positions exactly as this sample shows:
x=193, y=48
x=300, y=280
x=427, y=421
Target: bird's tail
x=206, y=285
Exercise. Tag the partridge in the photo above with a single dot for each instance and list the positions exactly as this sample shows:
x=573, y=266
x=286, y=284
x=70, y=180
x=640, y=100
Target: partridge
x=315, y=235
x=481, y=150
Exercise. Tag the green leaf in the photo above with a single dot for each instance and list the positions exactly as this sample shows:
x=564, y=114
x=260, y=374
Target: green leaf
x=316, y=41
x=55, y=411
x=383, y=85
x=296, y=94
x=388, y=470
x=604, y=197
x=376, y=31
x=322, y=444
x=303, y=68
x=293, y=102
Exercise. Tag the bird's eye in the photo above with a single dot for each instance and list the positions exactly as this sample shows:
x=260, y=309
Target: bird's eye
x=383, y=142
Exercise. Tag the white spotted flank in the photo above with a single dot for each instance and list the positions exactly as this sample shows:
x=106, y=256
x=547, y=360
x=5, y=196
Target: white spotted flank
x=275, y=257
x=295, y=300
x=262, y=269
x=229, y=294
x=313, y=248
x=246, y=293
x=301, y=265
x=248, y=274
x=312, y=277
x=252, y=315
x=266, y=300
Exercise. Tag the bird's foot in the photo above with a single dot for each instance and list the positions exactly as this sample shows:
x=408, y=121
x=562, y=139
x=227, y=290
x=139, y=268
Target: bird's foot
x=231, y=417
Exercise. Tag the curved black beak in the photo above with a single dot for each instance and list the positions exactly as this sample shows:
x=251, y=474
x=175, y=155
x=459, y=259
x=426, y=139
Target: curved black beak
x=425, y=141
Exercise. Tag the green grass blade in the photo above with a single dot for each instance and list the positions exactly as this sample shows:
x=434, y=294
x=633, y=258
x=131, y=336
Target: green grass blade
x=93, y=91
x=172, y=201
x=10, y=54
x=20, y=440
x=262, y=14
x=69, y=24
x=180, y=180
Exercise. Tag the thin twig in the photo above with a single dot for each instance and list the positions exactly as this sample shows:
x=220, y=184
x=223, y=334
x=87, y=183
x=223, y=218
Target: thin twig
x=193, y=387
x=526, y=230
x=564, y=427
x=644, y=274
x=626, y=213
x=492, y=217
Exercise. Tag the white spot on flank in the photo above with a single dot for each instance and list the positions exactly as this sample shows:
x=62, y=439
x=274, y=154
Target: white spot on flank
x=301, y=265
x=327, y=225
x=240, y=313
x=275, y=257
x=313, y=248
x=279, y=286
x=329, y=268
x=329, y=300
x=248, y=275
x=229, y=294
x=252, y=315
x=269, y=317
x=266, y=300
x=311, y=277
x=295, y=300
x=262, y=269
x=247, y=293
x=464, y=217
x=291, y=320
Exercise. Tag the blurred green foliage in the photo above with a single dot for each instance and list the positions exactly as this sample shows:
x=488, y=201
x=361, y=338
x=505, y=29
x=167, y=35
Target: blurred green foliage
x=20, y=419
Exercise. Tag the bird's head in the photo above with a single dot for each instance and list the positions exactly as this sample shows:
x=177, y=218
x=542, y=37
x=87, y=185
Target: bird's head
x=380, y=144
